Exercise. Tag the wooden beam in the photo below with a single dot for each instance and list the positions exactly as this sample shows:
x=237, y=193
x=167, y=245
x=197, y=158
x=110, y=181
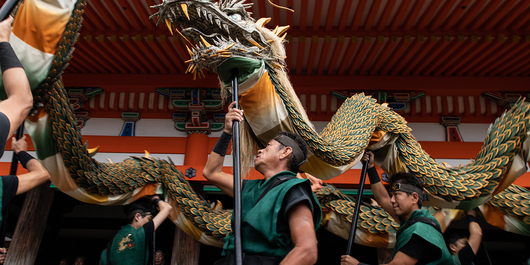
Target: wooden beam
x=396, y=54
x=455, y=15
x=105, y=14
x=427, y=15
x=360, y=55
x=501, y=12
x=441, y=15
x=126, y=52
x=303, y=15
x=470, y=14
x=30, y=228
x=400, y=14
x=504, y=49
x=154, y=44
x=170, y=51
x=446, y=54
x=131, y=16
x=376, y=48
x=312, y=55
x=290, y=14
x=468, y=45
x=512, y=15
x=144, y=15
x=349, y=55
x=383, y=20
x=114, y=54
x=384, y=55
x=519, y=55
x=95, y=45
x=332, y=12
x=413, y=15
x=100, y=60
x=324, y=55
x=488, y=50
x=117, y=13
x=336, y=53
x=411, y=52
x=301, y=55
x=481, y=44
x=90, y=12
x=317, y=11
x=374, y=9
x=138, y=53
x=358, y=15
x=484, y=14
x=344, y=15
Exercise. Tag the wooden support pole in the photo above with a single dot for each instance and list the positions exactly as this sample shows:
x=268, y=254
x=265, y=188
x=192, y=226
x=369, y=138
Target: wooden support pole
x=30, y=226
x=186, y=250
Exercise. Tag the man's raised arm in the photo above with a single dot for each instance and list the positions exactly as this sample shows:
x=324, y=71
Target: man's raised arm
x=213, y=171
x=19, y=99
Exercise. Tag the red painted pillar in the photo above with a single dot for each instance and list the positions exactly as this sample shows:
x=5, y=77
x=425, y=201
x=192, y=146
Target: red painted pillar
x=196, y=149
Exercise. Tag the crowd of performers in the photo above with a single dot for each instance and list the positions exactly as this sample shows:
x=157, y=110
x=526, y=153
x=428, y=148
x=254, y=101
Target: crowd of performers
x=280, y=213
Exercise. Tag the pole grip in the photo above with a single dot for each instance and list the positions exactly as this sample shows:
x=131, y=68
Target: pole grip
x=357, y=208
x=238, y=245
x=7, y=8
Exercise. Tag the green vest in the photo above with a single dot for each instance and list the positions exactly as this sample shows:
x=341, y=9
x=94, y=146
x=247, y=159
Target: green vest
x=258, y=226
x=127, y=247
x=425, y=231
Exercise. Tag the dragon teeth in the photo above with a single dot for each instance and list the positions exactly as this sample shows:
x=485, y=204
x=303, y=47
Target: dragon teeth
x=199, y=11
x=226, y=28
x=210, y=18
x=218, y=22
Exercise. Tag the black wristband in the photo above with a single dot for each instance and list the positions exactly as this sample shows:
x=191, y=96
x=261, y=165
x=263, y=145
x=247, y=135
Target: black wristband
x=471, y=218
x=8, y=58
x=24, y=158
x=222, y=145
x=156, y=201
x=373, y=176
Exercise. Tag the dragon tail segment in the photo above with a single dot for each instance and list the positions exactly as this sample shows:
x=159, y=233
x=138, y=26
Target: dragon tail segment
x=190, y=212
x=509, y=210
x=501, y=160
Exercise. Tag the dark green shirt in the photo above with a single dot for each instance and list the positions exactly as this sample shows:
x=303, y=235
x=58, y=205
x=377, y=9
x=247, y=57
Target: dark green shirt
x=259, y=226
x=427, y=233
x=129, y=246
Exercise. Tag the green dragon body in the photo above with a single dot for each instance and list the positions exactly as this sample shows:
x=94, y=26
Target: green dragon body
x=225, y=31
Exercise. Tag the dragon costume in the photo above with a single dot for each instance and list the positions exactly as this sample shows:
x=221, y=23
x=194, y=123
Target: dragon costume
x=226, y=37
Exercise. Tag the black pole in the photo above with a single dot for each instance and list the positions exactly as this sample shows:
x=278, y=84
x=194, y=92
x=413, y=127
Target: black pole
x=7, y=8
x=14, y=160
x=237, y=175
x=154, y=246
x=357, y=208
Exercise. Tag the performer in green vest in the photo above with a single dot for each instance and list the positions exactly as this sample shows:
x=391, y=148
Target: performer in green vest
x=462, y=248
x=278, y=223
x=419, y=239
x=131, y=243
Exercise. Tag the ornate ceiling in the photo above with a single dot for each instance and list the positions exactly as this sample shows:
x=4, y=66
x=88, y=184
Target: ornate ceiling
x=330, y=38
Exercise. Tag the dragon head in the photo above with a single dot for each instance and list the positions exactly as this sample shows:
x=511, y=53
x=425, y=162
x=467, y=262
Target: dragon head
x=217, y=31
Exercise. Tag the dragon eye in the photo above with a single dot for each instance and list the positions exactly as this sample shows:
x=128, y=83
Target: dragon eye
x=236, y=16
